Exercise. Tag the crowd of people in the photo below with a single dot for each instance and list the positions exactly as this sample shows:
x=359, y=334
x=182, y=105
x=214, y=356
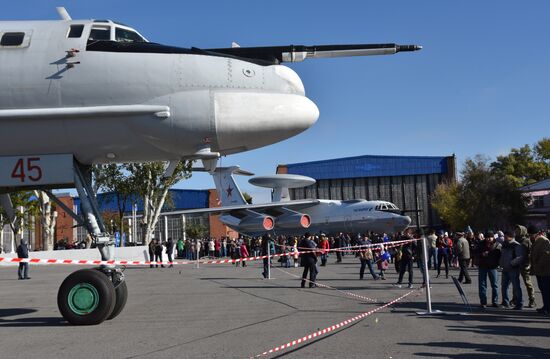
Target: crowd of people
x=514, y=256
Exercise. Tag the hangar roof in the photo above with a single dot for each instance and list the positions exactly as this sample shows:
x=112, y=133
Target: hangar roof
x=370, y=166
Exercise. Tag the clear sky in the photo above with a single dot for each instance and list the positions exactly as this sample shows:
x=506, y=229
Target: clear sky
x=480, y=85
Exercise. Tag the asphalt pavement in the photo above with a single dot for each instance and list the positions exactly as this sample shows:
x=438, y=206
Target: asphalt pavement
x=221, y=311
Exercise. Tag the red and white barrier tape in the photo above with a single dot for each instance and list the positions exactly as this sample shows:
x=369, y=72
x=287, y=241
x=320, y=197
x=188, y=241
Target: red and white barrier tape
x=350, y=294
x=138, y=263
x=332, y=327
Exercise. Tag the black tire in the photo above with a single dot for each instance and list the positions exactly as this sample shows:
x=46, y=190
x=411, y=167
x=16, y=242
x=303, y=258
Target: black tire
x=121, y=293
x=86, y=297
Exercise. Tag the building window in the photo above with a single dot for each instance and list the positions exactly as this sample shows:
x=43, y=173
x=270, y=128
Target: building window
x=12, y=39
x=538, y=201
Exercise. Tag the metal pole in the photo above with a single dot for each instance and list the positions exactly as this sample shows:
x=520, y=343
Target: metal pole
x=426, y=274
x=268, y=259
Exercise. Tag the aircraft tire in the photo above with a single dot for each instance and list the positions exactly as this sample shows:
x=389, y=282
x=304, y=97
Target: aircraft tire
x=121, y=294
x=86, y=297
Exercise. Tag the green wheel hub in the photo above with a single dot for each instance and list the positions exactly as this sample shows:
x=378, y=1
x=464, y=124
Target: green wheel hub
x=83, y=298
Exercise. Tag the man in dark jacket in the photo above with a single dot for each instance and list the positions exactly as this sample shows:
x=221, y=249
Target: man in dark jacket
x=268, y=249
x=511, y=260
x=525, y=269
x=406, y=263
x=488, y=258
x=158, y=253
x=540, y=267
x=23, y=252
x=170, y=250
x=338, y=244
x=308, y=259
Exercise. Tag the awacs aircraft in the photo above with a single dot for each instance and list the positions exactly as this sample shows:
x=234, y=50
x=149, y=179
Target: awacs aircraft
x=79, y=92
x=285, y=216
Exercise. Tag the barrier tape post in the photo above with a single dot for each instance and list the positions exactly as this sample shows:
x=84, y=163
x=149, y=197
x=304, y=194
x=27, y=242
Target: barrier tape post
x=427, y=282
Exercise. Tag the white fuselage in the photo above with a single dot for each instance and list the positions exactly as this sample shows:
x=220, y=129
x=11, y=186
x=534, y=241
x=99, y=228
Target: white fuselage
x=224, y=103
x=334, y=217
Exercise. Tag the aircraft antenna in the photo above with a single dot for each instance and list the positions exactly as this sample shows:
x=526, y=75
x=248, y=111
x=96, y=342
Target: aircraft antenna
x=63, y=13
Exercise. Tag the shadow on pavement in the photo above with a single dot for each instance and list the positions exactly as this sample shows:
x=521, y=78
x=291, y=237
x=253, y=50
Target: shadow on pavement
x=34, y=322
x=12, y=312
x=489, y=350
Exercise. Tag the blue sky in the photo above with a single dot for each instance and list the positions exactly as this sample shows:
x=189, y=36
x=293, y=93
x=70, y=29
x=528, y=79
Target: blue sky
x=480, y=85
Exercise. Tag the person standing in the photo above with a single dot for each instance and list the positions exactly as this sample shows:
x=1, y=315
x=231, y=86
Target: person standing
x=268, y=249
x=325, y=247
x=338, y=244
x=308, y=259
x=406, y=263
x=488, y=259
x=244, y=253
x=158, y=253
x=151, y=252
x=180, y=245
x=432, y=249
x=366, y=257
x=23, y=252
x=462, y=250
x=169, y=251
x=443, y=254
x=540, y=267
x=525, y=268
x=511, y=260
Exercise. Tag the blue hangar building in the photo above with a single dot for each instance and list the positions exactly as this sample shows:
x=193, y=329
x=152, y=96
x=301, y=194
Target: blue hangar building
x=406, y=181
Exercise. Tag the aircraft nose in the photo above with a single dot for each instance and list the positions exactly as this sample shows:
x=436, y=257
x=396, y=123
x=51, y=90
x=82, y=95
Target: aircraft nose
x=249, y=120
x=406, y=220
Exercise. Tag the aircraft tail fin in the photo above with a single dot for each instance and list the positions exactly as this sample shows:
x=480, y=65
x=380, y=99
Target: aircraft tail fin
x=228, y=191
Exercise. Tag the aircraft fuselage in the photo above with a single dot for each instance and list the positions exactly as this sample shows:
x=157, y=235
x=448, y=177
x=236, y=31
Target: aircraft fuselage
x=225, y=103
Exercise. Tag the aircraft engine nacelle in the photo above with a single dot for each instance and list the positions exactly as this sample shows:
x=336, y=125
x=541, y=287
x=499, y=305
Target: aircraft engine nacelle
x=294, y=220
x=257, y=223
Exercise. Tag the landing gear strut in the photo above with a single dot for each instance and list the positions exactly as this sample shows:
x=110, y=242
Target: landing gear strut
x=91, y=296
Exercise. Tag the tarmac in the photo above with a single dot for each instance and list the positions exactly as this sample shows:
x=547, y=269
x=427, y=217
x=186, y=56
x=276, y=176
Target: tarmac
x=221, y=311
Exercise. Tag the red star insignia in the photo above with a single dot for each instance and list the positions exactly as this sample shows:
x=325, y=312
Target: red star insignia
x=229, y=191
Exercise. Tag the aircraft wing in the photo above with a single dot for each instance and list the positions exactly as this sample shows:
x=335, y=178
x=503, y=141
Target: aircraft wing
x=90, y=111
x=297, y=53
x=296, y=204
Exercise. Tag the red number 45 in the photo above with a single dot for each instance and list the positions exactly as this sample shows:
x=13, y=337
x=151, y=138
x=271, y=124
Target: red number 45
x=34, y=172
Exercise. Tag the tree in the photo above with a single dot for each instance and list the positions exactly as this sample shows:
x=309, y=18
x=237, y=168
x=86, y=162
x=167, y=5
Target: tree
x=446, y=201
x=195, y=230
x=113, y=178
x=26, y=201
x=48, y=217
x=247, y=198
x=149, y=182
x=483, y=199
x=525, y=165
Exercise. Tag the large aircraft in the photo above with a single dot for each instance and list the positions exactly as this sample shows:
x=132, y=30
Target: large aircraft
x=285, y=216
x=74, y=93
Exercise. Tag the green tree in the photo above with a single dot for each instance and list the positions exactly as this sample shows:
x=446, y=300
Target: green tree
x=195, y=230
x=483, y=199
x=247, y=198
x=149, y=182
x=525, y=165
x=114, y=179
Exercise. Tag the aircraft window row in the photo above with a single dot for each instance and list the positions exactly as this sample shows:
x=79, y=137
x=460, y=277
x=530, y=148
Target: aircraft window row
x=76, y=31
x=12, y=39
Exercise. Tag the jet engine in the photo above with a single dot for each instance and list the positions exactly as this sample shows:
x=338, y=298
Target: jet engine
x=293, y=220
x=256, y=223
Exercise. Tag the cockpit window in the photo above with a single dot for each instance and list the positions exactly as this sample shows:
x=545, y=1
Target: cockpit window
x=100, y=33
x=123, y=35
